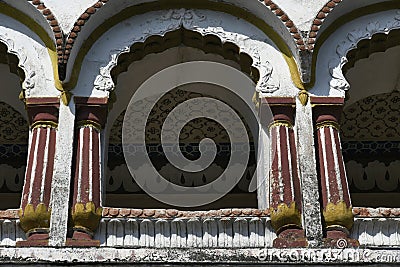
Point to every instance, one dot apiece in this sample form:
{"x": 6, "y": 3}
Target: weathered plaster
{"x": 67, "y": 13}
{"x": 302, "y": 12}
{"x": 62, "y": 175}
{"x": 33, "y": 57}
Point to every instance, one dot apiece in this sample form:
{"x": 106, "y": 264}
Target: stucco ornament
{"x": 338, "y": 81}
{"x": 194, "y": 20}
{"x": 30, "y": 75}
{"x": 103, "y": 81}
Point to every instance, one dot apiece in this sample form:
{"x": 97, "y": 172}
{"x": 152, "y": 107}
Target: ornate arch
{"x": 208, "y": 43}
{"x": 11, "y": 60}
{"x": 30, "y": 43}
{"x": 356, "y": 40}
{"x": 26, "y": 74}
{"x": 186, "y": 24}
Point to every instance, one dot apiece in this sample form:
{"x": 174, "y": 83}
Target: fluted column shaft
{"x": 336, "y": 202}
{"x": 86, "y": 194}
{"x": 285, "y": 191}
{"x": 35, "y": 210}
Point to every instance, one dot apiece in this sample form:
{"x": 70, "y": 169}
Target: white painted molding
{"x": 226, "y": 232}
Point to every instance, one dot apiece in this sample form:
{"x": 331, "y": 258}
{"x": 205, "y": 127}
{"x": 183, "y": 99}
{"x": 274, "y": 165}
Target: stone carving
{"x": 376, "y": 232}
{"x": 338, "y": 81}
{"x": 186, "y": 17}
{"x": 190, "y": 19}
{"x": 30, "y": 75}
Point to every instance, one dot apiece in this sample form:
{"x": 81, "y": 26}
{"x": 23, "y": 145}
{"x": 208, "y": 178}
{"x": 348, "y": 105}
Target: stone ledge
{"x": 205, "y": 256}
{"x": 109, "y": 212}
{"x": 172, "y": 213}
{"x": 9, "y": 214}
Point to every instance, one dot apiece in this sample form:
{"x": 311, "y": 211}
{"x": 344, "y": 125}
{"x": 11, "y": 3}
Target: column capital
{"x": 327, "y": 111}
{"x": 91, "y": 111}
{"x": 282, "y": 109}
{"x": 43, "y": 111}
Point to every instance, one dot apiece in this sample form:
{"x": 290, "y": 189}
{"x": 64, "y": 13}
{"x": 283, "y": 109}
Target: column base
{"x": 291, "y": 238}
{"x": 81, "y": 238}
{"x": 82, "y": 243}
{"x": 39, "y": 239}
{"x": 339, "y": 239}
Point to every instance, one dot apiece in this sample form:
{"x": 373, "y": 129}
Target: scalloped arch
{"x": 208, "y": 43}
{"x": 378, "y": 42}
{"x": 11, "y": 60}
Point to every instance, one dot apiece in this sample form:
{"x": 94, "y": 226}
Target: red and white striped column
{"x": 336, "y": 202}
{"x": 35, "y": 211}
{"x": 86, "y": 197}
{"x": 285, "y": 190}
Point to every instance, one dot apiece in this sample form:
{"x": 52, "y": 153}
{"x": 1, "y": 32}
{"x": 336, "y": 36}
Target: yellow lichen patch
{"x": 31, "y": 218}
{"x": 285, "y": 216}
{"x": 338, "y": 214}
{"x": 86, "y": 216}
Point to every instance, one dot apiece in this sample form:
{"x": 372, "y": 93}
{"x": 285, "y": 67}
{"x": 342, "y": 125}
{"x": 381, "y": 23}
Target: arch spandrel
{"x": 335, "y": 56}
{"x": 103, "y": 56}
{"x": 33, "y": 55}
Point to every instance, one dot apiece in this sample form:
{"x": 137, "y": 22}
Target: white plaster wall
{"x": 332, "y": 54}
{"x": 301, "y": 12}
{"x": 33, "y": 57}
{"x": 103, "y": 55}
{"x": 68, "y": 12}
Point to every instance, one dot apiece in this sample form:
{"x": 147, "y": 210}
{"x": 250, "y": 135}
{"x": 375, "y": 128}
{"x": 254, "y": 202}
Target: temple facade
{"x": 199, "y": 132}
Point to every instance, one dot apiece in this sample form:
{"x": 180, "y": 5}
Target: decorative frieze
{"x": 225, "y": 232}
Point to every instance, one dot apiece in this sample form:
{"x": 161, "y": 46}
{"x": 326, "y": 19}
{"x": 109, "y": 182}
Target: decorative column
{"x": 337, "y": 210}
{"x": 86, "y": 210}
{"x": 285, "y": 194}
{"x": 35, "y": 210}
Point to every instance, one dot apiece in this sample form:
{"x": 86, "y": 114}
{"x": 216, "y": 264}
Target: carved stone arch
{"x": 33, "y": 48}
{"x": 208, "y": 43}
{"x": 181, "y": 22}
{"x": 89, "y": 19}
{"x": 378, "y": 42}
{"x": 16, "y": 59}
{"x": 11, "y": 60}
{"x": 353, "y": 41}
